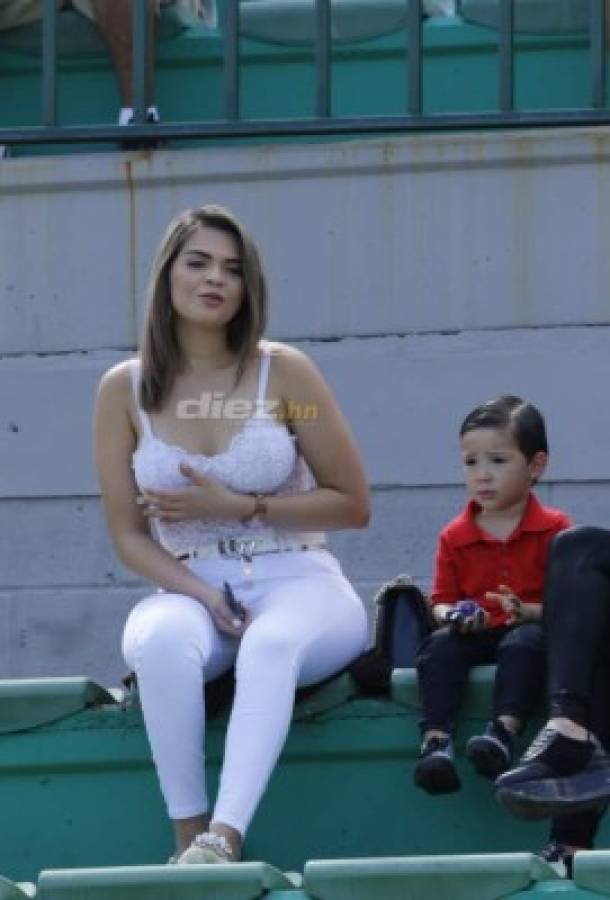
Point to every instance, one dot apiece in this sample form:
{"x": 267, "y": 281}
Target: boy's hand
{"x": 466, "y": 617}
{"x": 518, "y": 612}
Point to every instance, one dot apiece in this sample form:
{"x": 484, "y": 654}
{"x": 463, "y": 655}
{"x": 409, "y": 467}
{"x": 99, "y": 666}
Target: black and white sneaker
{"x": 435, "y": 772}
{"x": 556, "y": 775}
{"x": 126, "y": 119}
{"x": 126, "y": 116}
{"x": 492, "y": 752}
{"x": 558, "y": 858}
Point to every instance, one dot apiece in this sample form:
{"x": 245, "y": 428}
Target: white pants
{"x": 307, "y": 624}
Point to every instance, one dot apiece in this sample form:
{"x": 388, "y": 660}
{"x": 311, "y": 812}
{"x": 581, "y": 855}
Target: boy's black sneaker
{"x": 435, "y": 772}
{"x": 557, "y": 775}
{"x": 558, "y": 858}
{"x": 492, "y": 752}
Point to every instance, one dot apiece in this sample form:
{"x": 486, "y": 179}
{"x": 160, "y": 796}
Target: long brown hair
{"x": 160, "y": 351}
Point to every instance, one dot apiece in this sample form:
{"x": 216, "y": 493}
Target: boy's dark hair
{"x": 522, "y": 419}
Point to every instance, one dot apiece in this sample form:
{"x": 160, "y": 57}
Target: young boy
{"x": 494, "y": 556}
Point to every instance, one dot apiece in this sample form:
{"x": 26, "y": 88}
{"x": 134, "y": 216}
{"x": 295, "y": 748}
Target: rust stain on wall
{"x": 131, "y": 230}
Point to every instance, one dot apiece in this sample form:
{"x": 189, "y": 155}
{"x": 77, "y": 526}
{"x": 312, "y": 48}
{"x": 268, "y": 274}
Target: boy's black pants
{"x": 445, "y": 659}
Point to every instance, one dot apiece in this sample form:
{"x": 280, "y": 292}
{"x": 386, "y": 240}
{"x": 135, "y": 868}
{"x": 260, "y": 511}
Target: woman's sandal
{"x": 205, "y": 848}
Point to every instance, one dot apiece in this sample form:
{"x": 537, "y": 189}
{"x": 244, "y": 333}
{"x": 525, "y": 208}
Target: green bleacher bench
{"x": 275, "y": 21}
{"x": 531, "y": 16}
{"x": 294, "y": 21}
{"x": 473, "y": 877}
{"x": 508, "y": 876}
{"x": 11, "y": 891}
{"x": 477, "y": 702}
{"x": 329, "y": 695}
{"x": 29, "y": 702}
{"x": 343, "y": 789}
{"x": 243, "y": 881}
{"x": 592, "y": 872}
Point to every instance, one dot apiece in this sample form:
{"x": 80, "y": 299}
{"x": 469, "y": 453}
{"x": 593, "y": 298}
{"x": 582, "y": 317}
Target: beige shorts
{"x": 22, "y": 12}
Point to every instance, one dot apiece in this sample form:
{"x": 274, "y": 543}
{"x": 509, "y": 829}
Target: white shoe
{"x": 126, "y": 116}
{"x": 207, "y": 847}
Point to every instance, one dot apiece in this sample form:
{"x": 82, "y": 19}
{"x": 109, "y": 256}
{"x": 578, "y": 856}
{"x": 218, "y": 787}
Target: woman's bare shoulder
{"x": 115, "y": 406}
{"x": 117, "y": 380}
{"x": 287, "y": 359}
{"x": 115, "y": 395}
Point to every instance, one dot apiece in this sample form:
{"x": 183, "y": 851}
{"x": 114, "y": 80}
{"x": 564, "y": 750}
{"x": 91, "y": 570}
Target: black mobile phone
{"x": 238, "y": 609}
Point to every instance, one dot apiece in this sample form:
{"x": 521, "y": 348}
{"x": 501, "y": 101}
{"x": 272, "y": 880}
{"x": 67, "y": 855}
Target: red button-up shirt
{"x": 470, "y": 562}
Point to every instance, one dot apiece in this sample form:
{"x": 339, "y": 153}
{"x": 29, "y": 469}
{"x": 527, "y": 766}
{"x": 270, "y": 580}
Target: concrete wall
{"x": 423, "y": 274}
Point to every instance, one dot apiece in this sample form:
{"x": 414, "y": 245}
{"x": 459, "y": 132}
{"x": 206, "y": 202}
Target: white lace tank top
{"x": 261, "y": 458}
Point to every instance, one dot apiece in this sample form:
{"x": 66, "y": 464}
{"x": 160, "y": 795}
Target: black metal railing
{"x": 323, "y": 123}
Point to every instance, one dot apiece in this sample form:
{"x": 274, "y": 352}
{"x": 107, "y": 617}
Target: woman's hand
{"x": 225, "y": 619}
{"x": 204, "y": 498}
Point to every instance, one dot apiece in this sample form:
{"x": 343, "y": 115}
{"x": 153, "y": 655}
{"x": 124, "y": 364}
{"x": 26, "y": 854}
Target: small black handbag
{"x": 403, "y": 618}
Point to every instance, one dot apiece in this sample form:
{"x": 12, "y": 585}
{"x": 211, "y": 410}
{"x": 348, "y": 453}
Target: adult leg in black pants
{"x": 576, "y": 831}
{"x": 565, "y": 769}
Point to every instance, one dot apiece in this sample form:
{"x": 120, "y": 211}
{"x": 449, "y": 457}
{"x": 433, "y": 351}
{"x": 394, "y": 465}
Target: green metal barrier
{"x": 278, "y": 83}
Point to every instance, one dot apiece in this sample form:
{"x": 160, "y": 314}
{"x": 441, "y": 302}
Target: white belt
{"x": 246, "y": 548}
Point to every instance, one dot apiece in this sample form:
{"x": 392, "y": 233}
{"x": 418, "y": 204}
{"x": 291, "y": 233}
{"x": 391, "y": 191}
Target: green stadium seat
{"x": 478, "y": 699}
{"x": 27, "y": 703}
{"x": 592, "y": 871}
{"x": 11, "y": 891}
{"x": 477, "y": 877}
{"x": 324, "y": 697}
{"x": 273, "y": 21}
{"x": 243, "y": 881}
{"x": 293, "y": 21}
{"x": 531, "y": 16}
